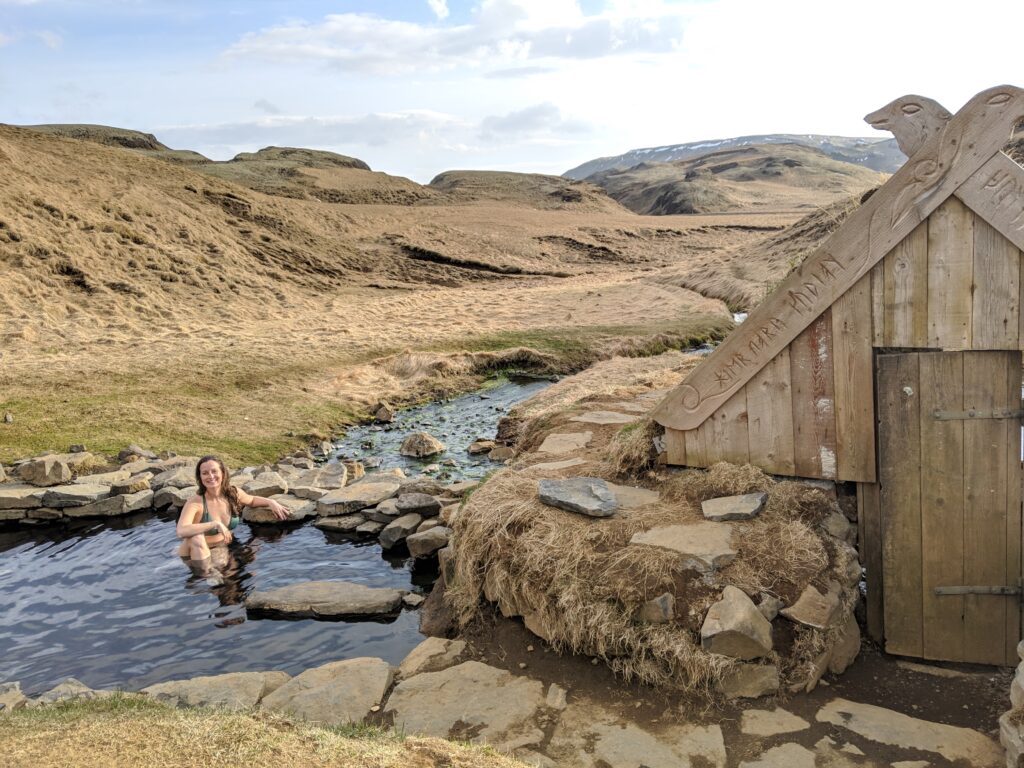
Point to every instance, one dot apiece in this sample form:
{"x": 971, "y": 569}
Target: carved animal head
{"x": 912, "y": 119}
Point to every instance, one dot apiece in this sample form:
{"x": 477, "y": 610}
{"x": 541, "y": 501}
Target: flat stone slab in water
{"x": 604, "y": 417}
{"x": 704, "y": 546}
{"x": 585, "y": 495}
{"x": 327, "y": 600}
{"x": 21, "y": 496}
{"x": 353, "y": 498}
{"x": 298, "y": 509}
{"x": 74, "y": 495}
{"x": 744, "y": 507}
{"x": 344, "y": 524}
{"x": 565, "y": 442}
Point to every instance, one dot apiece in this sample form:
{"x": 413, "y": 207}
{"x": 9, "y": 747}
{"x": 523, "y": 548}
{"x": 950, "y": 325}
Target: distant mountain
{"x": 875, "y": 153}
{"x": 749, "y": 178}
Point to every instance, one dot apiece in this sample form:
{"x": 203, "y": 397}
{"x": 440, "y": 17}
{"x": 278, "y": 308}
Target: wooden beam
{"x": 950, "y": 275}
{"x": 945, "y": 162}
{"x": 770, "y": 417}
{"x": 854, "y": 383}
{"x": 869, "y": 523}
{"x": 996, "y": 193}
{"x": 814, "y": 399}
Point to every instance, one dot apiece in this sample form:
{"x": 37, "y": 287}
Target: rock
{"x": 169, "y": 496}
{"x": 448, "y": 513}
{"x": 298, "y": 509}
{"x": 412, "y": 600}
{"x": 46, "y": 471}
{"x": 104, "y": 478}
{"x": 233, "y": 691}
{"x": 1011, "y": 737}
{"x": 326, "y": 600}
{"x": 587, "y": 735}
{"x": 770, "y": 606}
{"x": 21, "y": 496}
{"x": 356, "y": 497}
{"x": 3, "y": 475}
{"x": 546, "y": 466}
{"x": 11, "y": 697}
{"x": 783, "y": 756}
{"x": 501, "y": 453}
{"x": 584, "y": 495}
{"x": 384, "y": 413}
{"x": 15, "y": 514}
{"x": 734, "y": 627}
{"x": 480, "y": 446}
{"x": 418, "y": 503}
{"x": 266, "y": 484}
{"x": 566, "y": 442}
{"x": 744, "y": 507}
{"x": 43, "y": 513}
{"x": 426, "y": 543}
{"x": 660, "y": 610}
{"x": 68, "y": 690}
{"x": 308, "y": 492}
{"x": 330, "y": 477}
{"x": 357, "y": 469}
{"x": 393, "y": 475}
{"x": 604, "y": 417}
{"x": 8, "y": 417}
{"x": 134, "y": 450}
{"x": 76, "y": 448}
{"x": 74, "y": 495}
{"x": 814, "y": 609}
{"x": 557, "y": 697}
{"x": 749, "y": 681}
{"x": 371, "y": 527}
{"x": 422, "y": 485}
{"x": 420, "y": 444}
{"x": 398, "y": 529}
{"x": 470, "y": 701}
{"x": 629, "y": 497}
{"x": 432, "y": 655}
{"x": 838, "y": 527}
{"x": 323, "y": 448}
{"x": 847, "y": 646}
{"x": 384, "y": 512}
{"x": 113, "y": 506}
{"x": 176, "y": 477}
{"x": 133, "y": 484}
{"x": 885, "y": 726}
{"x": 704, "y": 546}
{"x": 338, "y": 693}
{"x": 763, "y": 722}
{"x": 344, "y": 524}
{"x": 426, "y": 525}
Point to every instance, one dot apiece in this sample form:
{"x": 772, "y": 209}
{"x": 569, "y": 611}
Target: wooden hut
{"x": 891, "y": 358}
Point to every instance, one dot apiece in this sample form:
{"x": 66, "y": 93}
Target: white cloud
{"x": 439, "y": 7}
{"x": 267, "y": 107}
{"x": 535, "y": 121}
{"x": 50, "y": 39}
{"x": 5, "y": 39}
{"x": 502, "y": 33}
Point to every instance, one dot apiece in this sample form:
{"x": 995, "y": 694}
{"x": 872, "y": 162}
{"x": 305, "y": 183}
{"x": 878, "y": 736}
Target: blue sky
{"x": 418, "y": 87}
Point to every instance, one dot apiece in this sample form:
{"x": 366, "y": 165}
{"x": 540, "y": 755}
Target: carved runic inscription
{"x": 1007, "y": 191}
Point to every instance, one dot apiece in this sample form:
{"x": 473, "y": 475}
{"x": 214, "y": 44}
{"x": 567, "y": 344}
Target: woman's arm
{"x": 280, "y": 511}
{"x": 187, "y": 525}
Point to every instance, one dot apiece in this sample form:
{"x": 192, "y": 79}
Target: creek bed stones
{"x": 356, "y": 497}
{"x": 585, "y": 495}
{"x": 326, "y": 600}
{"x": 234, "y": 690}
{"x": 338, "y": 693}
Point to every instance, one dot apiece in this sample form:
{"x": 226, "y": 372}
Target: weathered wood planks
{"x": 950, "y": 276}
{"x": 814, "y": 416}
{"x": 854, "y": 383}
{"x": 770, "y": 417}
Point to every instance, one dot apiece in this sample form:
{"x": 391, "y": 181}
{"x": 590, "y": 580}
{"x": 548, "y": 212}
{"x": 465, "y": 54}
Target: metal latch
{"x": 998, "y": 413}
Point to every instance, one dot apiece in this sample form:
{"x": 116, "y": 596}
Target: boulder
{"x": 356, "y": 497}
{"x": 398, "y": 529}
{"x": 660, "y": 610}
{"x": 15, "y": 514}
{"x": 371, "y": 527}
{"x": 585, "y": 495}
{"x": 298, "y": 509}
{"x": 330, "y": 477}
{"x": 749, "y": 681}
{"x": 266, "y": 484}
{"x": 726, "y": 508}
{"x": 384, "y": 512}
{"x": 734, "y": 627}
{"x": 384, "y": 413}
{"x": 357, "y": 469}
{"x": 430, "y": 522}
{"x": 470, "y": 701}
{"x": 426, "y": 543}
{"x": 704, "y": 546}
{"x": 133, "y": 484}
{"x": 837, "y": 526}
{"x": 432, "y": 655}
{"x": 68, "y": 690}
{"x": 458, "y": 490}
{"x": 169, "y": 496}
{"x": 74, "y": 495}
{"x": 11, "y": 697}
{"x": 112, "y": 506}
{"x": 104, "y": 478}
{"x": 847, "y": 646}
{"x": 420, "y": 444}
{"x": 343, "y": 524}
{"x": 501, "y": 453}
{"x": 338, "y": 693}
{"x": 770, "y": 606}
{"x": 134, "y": 450}
{"x": 308, "y": 492}
{"x": 326, "y": 600}
{"x": 412, "y": 600}
{"x": 417, "y": 503}
{"x": 422, "y": 485}
{"x": 21, "y": 496}
{"x": 45, "y": 471}
{"x": 480, "y": 446}
{"x": 814, "y": 609}
{"x": 566, "y": 442}
{"x": 233, "y": 691}
{"x": 175, "y": 477}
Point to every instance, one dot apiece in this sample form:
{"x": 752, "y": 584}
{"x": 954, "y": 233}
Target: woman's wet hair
{"x": 226, "y": 488}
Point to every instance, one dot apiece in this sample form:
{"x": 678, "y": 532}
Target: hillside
{"x": 877, "y": 154}
{"x": 531, "y": 189}
{"x": 776, "y": 177}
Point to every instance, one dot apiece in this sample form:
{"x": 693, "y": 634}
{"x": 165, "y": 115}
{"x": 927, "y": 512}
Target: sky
{"x": 418, "y": 87}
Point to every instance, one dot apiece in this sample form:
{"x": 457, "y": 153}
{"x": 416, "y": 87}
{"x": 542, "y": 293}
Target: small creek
{"x": 108, "y": 603}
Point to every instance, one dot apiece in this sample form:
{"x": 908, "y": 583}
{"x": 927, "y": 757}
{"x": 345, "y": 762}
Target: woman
{"x": 207, "y": 519}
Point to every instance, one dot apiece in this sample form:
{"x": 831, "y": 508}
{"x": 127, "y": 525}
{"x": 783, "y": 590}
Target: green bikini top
{"x": 232, "y": 521}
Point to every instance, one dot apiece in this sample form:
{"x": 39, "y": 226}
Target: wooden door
{"x": 949, "y": 442}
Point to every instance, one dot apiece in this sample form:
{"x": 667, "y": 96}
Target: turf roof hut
{"x": 892, "y": 358}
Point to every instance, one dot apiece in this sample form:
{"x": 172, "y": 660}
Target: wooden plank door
{"x": 949, "y": 441}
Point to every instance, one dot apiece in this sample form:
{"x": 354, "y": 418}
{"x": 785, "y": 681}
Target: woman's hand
{"x": 280, "y": 511}
{"x": 223, "y": 529}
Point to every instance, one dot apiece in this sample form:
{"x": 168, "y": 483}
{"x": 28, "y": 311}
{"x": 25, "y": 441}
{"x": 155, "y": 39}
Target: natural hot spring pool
{"x": 107, "y": 602}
